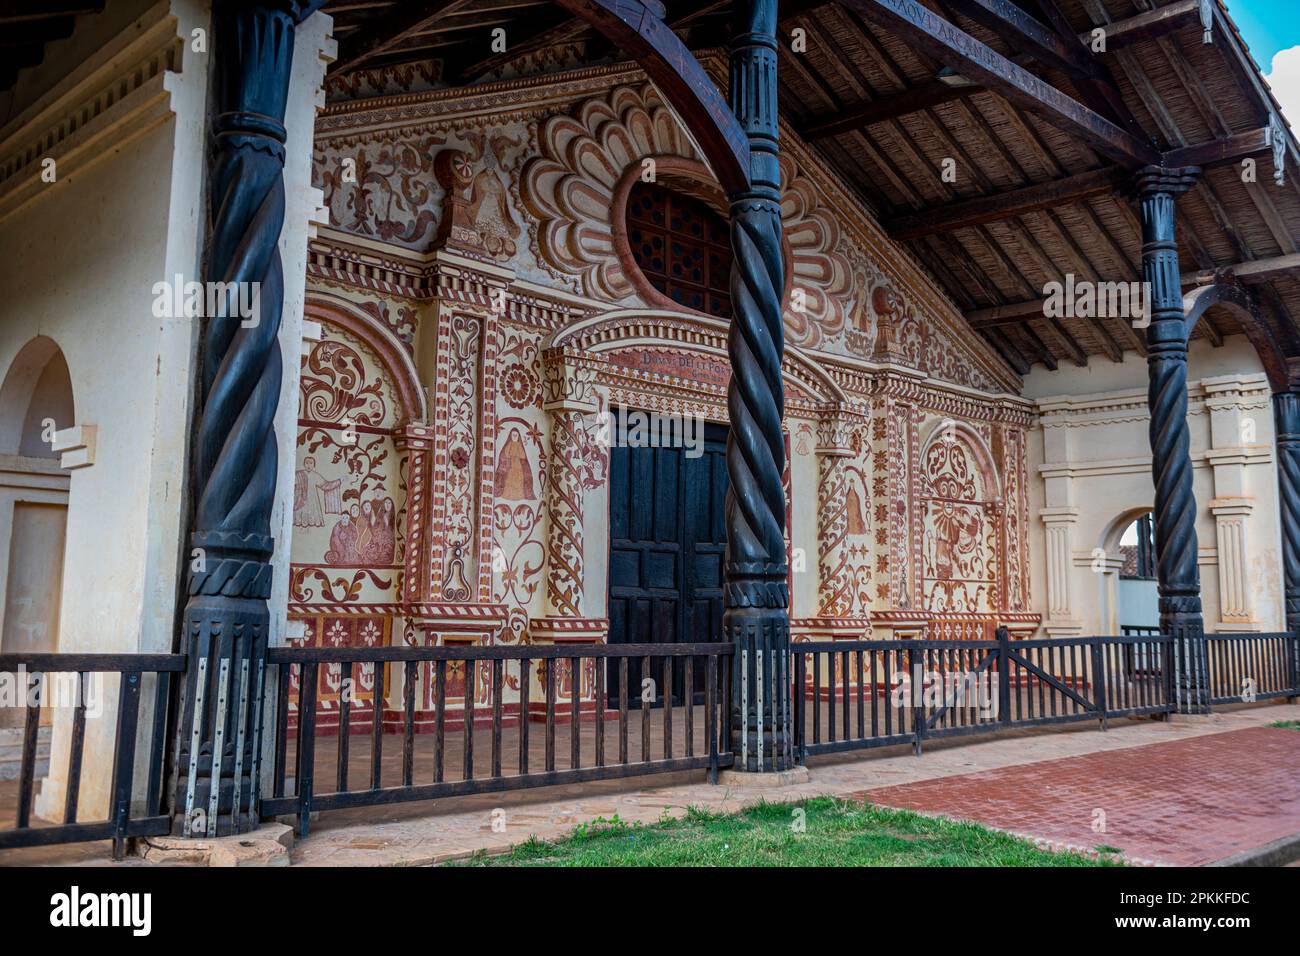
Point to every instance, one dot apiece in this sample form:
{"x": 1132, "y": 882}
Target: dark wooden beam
{"x": 19, "y": 11}
{"x": 1219, "y": 151}
{"x": 385, "y": 32}
{"x": 1256, "y": 270}
{"x": 1008, "y": 350}
{"x": 1029, "y": 34}
{"x": 938, "y": 38}
{"x": 1006, "y": 205}
{"x": 638, "y": 31}
{"x": 549, "y": 27}
{"x": 1147, "y": 26}
{"x": 36, "y": 31}
{"x": 909, "y": 101}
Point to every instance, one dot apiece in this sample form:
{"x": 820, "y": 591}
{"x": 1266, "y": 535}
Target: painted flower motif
{"x": 336, "y": 634}
{"x": 459, "y": 457}
{"x": 370, "y": 633}
{"x": 520, "y": 386}
{"x": 570, "y": 188}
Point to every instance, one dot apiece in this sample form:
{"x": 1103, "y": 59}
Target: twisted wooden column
{"x": 757, "y": 597}
{"x": 234, "y": 458}
{"x": 1286, "y": 422}
{"x": 1171, "y": 463}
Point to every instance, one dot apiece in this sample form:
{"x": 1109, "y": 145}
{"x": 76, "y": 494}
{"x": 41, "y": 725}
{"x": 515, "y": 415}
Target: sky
{"x": 1272, "y": 31}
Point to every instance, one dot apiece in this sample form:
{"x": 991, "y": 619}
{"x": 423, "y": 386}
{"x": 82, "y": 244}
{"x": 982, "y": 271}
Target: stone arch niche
{"x": 360, "y": 465}
{"x": 961, "y": 515}
{"x": 36, "y": 400}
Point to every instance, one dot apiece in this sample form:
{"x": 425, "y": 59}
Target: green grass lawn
{"x": 825, "y": 831}
{"x": 1286, "y": 724}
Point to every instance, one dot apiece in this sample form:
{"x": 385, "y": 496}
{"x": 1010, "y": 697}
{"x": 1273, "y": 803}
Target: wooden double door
{"x": 667, "y": 541}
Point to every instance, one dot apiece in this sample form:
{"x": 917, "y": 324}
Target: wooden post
{"x": 1156, "y": 189}
{"x": 756, "y": 617}
{"x": 1286, "y": 424}
{"x": 234, "y": 458}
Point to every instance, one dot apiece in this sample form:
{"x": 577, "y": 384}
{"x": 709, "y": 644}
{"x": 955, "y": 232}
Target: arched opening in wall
{"x": 35, "y": 400}
{"x": 682, "y": 246}
{"x": 1136, "y": 598}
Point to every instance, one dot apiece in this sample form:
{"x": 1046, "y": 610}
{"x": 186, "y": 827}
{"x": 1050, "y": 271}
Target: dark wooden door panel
{"x": 667, "y": 544}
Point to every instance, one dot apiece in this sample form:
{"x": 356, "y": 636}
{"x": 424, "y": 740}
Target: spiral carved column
{"x": 756, "y": 618}
{"x": 1286, "y": 422}
{"x": 1171, "y": 463}
{"x": 234, "y": 457}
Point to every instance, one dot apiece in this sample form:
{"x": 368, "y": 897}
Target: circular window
{"x": 682, "y": 246}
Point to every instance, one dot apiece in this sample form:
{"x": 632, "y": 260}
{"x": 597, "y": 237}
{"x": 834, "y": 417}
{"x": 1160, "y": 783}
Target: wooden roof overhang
{"x": 1041, "y": 131}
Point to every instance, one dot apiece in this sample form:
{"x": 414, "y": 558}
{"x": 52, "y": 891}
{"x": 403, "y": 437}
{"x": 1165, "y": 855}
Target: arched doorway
{"x": 1137, "y": 605}
{"x": 35, "y": 401}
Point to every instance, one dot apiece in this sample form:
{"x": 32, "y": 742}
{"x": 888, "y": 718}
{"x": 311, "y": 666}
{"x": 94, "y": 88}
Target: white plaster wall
{"x": 803, "y": 504}
{"x": 79, "y": 265}
{"x": 1090, "y": 470}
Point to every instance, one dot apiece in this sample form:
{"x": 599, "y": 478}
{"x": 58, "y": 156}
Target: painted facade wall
{"x": 478, "y": 256}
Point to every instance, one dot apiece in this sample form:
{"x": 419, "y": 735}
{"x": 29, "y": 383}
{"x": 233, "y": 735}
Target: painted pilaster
{"x": 833, "y": 584}
{"x": 757, "y": 593}
{"x": 235, "y": 455}
{"x": 570, "y": 393}
{"x": 1171, "y": 464}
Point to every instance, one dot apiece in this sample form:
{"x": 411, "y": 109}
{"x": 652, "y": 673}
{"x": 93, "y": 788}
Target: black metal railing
{"x": 884, "y": 693}
{"x": 1252, "y": 667}
{"x": 594, "y": 691}
{"x": 36, "y": 674}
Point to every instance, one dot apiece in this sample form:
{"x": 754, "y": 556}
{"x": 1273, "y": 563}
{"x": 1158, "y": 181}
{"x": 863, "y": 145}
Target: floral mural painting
{"x": 348, "y": 495}
{"x": 961, "y": 529}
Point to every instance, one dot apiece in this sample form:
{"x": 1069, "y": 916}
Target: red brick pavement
{"x": 1186, "y": 802}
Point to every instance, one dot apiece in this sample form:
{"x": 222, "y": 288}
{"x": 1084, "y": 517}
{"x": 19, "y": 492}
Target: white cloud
{"x": 1285, "y": 81}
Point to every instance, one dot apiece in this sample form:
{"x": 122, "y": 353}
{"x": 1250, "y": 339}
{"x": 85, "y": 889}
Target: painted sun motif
{"x": 577, "y": 187}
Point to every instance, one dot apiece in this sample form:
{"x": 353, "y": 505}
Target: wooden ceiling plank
{"x": 1007, "y": 204}
{"x": 911, "y": 100}
{"x": 384, "y": 32}
{"x": 1148, "y": 25}
{"x": 947, "y": 43}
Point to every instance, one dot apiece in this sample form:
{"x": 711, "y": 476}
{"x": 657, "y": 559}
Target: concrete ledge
{"x": 268, "y": 845}
{"x": 1278, "y": 853}
{"x": 740, "y": 780}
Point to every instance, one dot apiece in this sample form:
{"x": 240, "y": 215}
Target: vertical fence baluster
{"x": 306, "y": 744}
{"x": 688, "y": 698}
{"x": 602, "y": 664}
{"x": 525, "y": 692}
{"x": 283, "y": 673}
{"x": 575, "y": 728}
{"x": 408, "y": 723}
{"x": 550, "y": 715}
{"x": 377, "y": 725}
{"x": 668, "y": 707}
{"x": 75, "y": 749}
{"x": 817, "y": 698}
{"x": 645, "y": 713}
{"x": 345, "y": 725}
{"x": 31, "y": 730}
{"x": 439, "y": 719}
{"x": 622, "y": 710}
{"x": 710, "y": 713}
{"x": 467, "y": 710}
{"x": 128, "y": 714}
{"x": 498, "y": 680}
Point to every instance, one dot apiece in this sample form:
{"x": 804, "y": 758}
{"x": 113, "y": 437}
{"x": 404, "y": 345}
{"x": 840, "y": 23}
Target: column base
{"x": 768, "y": 779}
